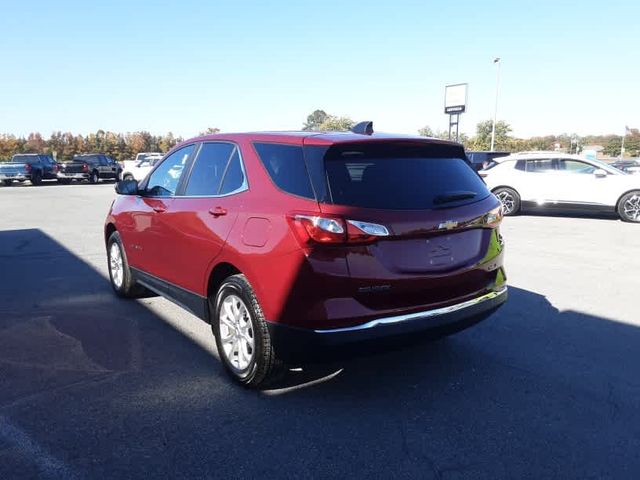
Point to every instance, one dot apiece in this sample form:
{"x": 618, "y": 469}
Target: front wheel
{"x": 241, "y": 334}
{"x": 7, "y": 183}
{"x": 122, "y": 281}
{"x": 629, "y": 207}
{"x": 510, "y": 200}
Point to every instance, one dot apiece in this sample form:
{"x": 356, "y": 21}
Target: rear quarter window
{"x": 286, "y": 167}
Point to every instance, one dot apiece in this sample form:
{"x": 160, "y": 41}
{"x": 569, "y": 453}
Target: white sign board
{"x": 455, "y": 98}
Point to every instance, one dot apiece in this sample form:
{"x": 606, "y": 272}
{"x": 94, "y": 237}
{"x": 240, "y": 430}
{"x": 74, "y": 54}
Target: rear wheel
{"x": 629, "y": 207}
{"x": 122, "y": 281}
{"x": 241, "y": 334}
{"x": 36, "y": 178}
{"x": 94, "y": 177}
{"x": 64, "y": 181}
{"x": 7, "y": 183}
{"x": 510, "y": 200}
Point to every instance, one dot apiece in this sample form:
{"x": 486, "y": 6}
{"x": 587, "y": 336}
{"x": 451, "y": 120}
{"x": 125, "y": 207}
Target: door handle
{"x": 217, "y": 211}
{"x": 159, "y": 208}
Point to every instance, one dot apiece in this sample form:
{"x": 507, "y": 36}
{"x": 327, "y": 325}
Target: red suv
{"x": 288, "y": 241}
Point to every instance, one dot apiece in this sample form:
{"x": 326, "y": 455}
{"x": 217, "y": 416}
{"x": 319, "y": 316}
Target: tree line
{"x": 321, "y": 121}
{"x": 63, "y": 146}
{"x": 123, "y": 146}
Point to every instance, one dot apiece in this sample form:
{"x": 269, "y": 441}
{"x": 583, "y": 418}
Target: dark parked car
{"x": 28, "y": 166}
{"x": 92, "y": 167}
{"x": 293, "y": 242}
{"x": 481, "y": 160}
{"x": 629, "y": 166}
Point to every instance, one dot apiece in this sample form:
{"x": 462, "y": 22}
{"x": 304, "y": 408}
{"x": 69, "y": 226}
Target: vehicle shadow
{"x": 92, "y": 386}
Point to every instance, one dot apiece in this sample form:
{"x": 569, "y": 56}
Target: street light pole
{"x": 622, "y": 147}
{"x": 495, "y": 109}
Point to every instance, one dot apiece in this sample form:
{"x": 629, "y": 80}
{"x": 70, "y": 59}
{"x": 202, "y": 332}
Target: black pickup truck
{"x": 28, "y": 166}
{"x": 92, "y": 167}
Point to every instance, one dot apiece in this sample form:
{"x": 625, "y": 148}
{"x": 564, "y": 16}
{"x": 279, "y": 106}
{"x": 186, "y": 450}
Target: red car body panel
{"x": 180, "y": 241}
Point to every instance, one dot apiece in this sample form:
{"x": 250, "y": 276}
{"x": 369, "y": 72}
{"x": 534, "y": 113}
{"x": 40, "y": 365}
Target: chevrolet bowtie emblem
{"x": 448, "y": 225}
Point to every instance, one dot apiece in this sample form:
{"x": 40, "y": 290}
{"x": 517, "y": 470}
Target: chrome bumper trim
{"x": 418, "y": 315}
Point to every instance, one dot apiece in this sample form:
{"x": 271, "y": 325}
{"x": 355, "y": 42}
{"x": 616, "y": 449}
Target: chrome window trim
{"x": 419, "y": 315}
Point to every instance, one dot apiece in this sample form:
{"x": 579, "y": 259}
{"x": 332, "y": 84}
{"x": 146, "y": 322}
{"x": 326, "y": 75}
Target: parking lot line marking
{"x": 49, "y": 466}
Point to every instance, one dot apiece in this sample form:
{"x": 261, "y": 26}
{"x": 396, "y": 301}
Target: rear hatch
{"x": 432, "y": 207}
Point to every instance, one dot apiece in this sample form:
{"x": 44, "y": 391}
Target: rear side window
{"x": 540, "y": 166}
{"x": 216, "y": 171}
{"x": 286, "y": 167}
{"x": 209, "y": 169}
{"x": 398, "y": 178}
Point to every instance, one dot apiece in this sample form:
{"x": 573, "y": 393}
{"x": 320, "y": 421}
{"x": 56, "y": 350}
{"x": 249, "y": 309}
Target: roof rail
{"x": 363, "y": 128}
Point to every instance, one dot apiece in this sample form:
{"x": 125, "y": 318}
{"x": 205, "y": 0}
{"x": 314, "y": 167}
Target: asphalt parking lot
{"x": 92, "y": 386}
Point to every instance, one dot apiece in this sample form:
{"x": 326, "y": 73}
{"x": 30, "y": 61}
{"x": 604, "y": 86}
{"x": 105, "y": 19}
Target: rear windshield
{"x": 383, "y": 176}
{"x": 400, "y": 178}
{"x": 24, "y": 158}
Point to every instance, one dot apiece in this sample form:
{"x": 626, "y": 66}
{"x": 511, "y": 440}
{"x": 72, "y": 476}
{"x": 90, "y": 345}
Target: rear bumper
{"x": 14, "y": 176}
{"x": 297, "y": 343}
{"x": 65, "y": 175}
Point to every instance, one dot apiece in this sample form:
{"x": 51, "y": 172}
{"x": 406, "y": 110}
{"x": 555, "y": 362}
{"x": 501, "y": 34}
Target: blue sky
{"x": 258, "y": 65}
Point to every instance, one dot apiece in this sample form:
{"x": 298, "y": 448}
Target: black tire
{"x": 128, "y": 176}
{"x": 127, "y": 288}
{"x": 629, "y": 207}
{"x": 94, "y": 177}
{"x": 36, "y": 178}
{"x": 264, "y": 367}
{"x": 7, "y": 183}
{"x": 510, "y": 200}
{"x": 64, "y": 181}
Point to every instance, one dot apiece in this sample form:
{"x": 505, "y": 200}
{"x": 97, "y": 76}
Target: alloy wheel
{"x": 116, "y": 265}
{"x": 236, "y": 333}
{"x": 508, "y": 202}
{"x": 632, "y": 208}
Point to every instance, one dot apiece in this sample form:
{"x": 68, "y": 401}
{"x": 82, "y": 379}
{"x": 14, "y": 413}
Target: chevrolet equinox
{"x": 288, "y": 242}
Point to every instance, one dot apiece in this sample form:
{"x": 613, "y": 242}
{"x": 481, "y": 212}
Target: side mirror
{"x": 127, "y": 187}
{"x": 600, "y": 173}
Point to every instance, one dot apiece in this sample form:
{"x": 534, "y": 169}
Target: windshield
{"x": 607, "y": 166}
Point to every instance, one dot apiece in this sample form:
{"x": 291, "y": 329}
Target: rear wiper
{"x": 453, "y": 197}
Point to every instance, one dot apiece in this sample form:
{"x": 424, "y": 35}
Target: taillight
{"x": 27, "y": 167}
{"x": 85, "y": 167}
{"x": 334, "y": 230}
{"x": 493, "y": 218}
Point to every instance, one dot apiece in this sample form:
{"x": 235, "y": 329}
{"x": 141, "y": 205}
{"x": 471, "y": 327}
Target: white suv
{"x": 551, "y": 179}
{"x": 138, "y": 169}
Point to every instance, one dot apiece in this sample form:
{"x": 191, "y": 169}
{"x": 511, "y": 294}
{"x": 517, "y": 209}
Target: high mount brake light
{"x": 334, "y": 230}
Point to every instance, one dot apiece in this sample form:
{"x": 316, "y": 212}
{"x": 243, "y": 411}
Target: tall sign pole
{"x": 495, "y": 108}
{"x": 455, "y": 103}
